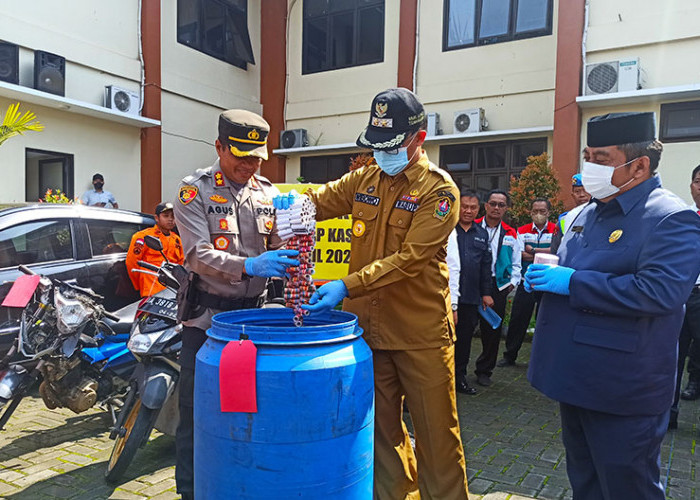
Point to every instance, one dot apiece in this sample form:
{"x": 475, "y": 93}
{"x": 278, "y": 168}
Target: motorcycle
{"x": 156, "y": 342}
{"x": 73, "y": 345}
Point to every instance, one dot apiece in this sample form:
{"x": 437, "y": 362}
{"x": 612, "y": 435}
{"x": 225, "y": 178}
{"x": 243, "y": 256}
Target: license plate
{"x": 160, "y": 307}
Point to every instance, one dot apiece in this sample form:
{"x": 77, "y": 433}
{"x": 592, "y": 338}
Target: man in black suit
{"x": 474, "y": 283}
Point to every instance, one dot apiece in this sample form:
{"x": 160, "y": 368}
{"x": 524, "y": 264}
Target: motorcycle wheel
{"x": 136, "y": 428}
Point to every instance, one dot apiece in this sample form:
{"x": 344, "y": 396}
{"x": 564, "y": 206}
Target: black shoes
{"x": 484, "y": 380}
{"x": 463, "y": 387}
{"x": 505, "y": 362}
{"x": 692, "y": 390}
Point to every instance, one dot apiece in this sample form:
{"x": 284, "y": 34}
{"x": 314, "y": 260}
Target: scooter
{"x": 156, "y": 342}
{"x": 69, "y": 341}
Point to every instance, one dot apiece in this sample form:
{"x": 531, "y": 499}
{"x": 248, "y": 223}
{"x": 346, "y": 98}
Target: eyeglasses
{"x": 496, "y": 204}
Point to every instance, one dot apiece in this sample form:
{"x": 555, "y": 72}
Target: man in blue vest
{"x": 609, "y": 320}
{"x": 505, "y": 276}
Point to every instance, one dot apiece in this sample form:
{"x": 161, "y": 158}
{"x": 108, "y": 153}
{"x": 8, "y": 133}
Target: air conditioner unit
{"x": 612, "y": 76}
{"x": 122, "y": 100}
{"x": 293, "y": 138}
{"x": 434, "y": 124}
{"x": 469, "y": 121}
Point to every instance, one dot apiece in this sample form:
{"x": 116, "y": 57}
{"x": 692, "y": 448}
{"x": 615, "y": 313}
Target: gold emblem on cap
{"x": 615, "y": 235}
{"x": 380, "y": 109}
{"x": 253, "y": 135}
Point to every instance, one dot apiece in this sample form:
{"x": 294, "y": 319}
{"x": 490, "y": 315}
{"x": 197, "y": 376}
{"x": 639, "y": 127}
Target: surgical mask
{"x": 539, "y": 219}
{"x": 597, "y": 179}
{"x": 394, "y": 161}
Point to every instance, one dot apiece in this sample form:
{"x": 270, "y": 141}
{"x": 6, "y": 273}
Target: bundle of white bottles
{"x": 297, "y": 224}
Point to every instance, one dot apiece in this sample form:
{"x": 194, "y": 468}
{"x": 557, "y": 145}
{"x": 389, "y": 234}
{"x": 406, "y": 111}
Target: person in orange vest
{"x": 147, "y": 284}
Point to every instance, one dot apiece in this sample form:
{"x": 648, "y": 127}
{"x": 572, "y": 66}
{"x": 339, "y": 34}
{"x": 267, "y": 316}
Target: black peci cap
{"x": 395, "y": 114}
{"x": 97, "y": 176}
{"x": 163, "y": 206}
{"x": 244, "y": 132}
{"x": 614, "y": 129}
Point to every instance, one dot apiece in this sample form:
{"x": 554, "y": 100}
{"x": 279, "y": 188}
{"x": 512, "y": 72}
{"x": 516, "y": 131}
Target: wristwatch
{"x": 454, "y": 307}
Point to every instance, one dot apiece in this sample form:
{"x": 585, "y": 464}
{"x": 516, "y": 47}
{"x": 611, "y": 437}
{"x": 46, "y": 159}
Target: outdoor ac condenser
{"x": 612, "y": 76}
{"x": 122, "y": 100}
{"x": 293, "y": 138}
{"x": 469, "y": 121}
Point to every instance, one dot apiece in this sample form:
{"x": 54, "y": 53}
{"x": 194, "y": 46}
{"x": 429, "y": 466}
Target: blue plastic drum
{"x": 313, "y": 433}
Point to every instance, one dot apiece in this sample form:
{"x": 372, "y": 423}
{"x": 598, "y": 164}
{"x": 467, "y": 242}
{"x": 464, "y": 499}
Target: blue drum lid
{"x": 275, "y": 326}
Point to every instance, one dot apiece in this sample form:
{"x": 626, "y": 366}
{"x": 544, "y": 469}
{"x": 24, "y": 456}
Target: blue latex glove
{"x": 284, "y": 201}
{"x": 547, "y": 278}
{"x": 327, "y": 297}
{"x": 271, "y": 264}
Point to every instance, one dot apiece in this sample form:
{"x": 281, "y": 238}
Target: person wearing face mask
{"x": 98, "y": 197}
{"x": 580, "y": 197}
{"x": 605, "y": 344}
{"x": 403, "y": 211}
{"x": 534, "y": 238}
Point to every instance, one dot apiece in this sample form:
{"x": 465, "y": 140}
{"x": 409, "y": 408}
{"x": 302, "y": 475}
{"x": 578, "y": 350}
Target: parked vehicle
{"x": 156, "y": 342}
{"x": 77, "y": 244}
{"x": 72, "y": 345}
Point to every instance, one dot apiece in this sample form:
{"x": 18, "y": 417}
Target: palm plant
{"x": 16, "y": 124}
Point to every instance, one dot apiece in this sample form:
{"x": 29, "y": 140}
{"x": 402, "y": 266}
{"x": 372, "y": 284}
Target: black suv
{"x": 75, "y": 243}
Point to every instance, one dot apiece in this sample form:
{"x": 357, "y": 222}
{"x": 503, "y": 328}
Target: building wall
{"x": 513, "y": 81}
{"x": 97, "y": 146}
{"x": 100, "y": 43}
{"x": 666, "y": 38}
{"x": 332, "y": 105}
{"x": 195, "y": 89}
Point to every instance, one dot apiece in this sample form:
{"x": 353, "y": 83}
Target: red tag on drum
{"x": 237, "y": 377}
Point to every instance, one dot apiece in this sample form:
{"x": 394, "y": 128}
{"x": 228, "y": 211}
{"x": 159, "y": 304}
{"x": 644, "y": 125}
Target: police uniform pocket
{"x": 265, "y": 225}
{"x": 607, "y": 338}
{"x": 222, "y": 224}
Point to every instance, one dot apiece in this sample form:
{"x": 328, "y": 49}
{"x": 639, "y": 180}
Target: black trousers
{"x": 490, "y": 338}
{"x": 192, "y": 340}
{"x": 688, "y": 345}
{"x": 613, "y": 457}
{"x": 467, "y": 319}
{"x": 523, "y": 305}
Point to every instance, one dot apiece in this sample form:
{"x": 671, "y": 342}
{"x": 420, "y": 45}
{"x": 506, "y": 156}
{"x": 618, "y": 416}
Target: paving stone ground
{"x": 511, "y": 435}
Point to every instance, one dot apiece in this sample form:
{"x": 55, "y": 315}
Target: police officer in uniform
{"x": 403, "y": 211}
{"x": 609, "y": 320}
{"x": 226, "y": 222}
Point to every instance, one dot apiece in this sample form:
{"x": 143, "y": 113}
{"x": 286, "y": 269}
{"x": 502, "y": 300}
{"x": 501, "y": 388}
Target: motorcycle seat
{"x": 126, "y": 317}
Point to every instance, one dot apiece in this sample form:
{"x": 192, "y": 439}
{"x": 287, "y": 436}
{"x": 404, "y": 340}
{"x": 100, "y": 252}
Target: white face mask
{"x": 597, "y": 179}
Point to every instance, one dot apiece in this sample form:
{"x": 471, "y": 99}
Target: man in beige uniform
{"x": 403, "y": 210}
{"x": 226, "y": 222}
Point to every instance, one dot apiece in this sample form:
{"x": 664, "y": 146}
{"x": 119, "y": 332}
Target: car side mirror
{"x": 153, "y": 243}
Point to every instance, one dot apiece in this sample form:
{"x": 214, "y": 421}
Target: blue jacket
{"x": 610, "y": 345}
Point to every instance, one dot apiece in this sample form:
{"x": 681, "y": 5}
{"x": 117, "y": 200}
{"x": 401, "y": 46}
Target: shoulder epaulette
{"x": 198, "y": 174}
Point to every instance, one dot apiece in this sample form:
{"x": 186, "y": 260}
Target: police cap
{"x": 395, "y": 114}
{"x": 621, "y": 128}
{"x": 576, "y": 180}
{"x": 244, "y": 132}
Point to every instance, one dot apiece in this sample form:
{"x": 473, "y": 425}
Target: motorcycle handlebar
{"x": 111, "y": 316}
{"x": 25, "y": 269}
{"x": 148, "y": 266}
